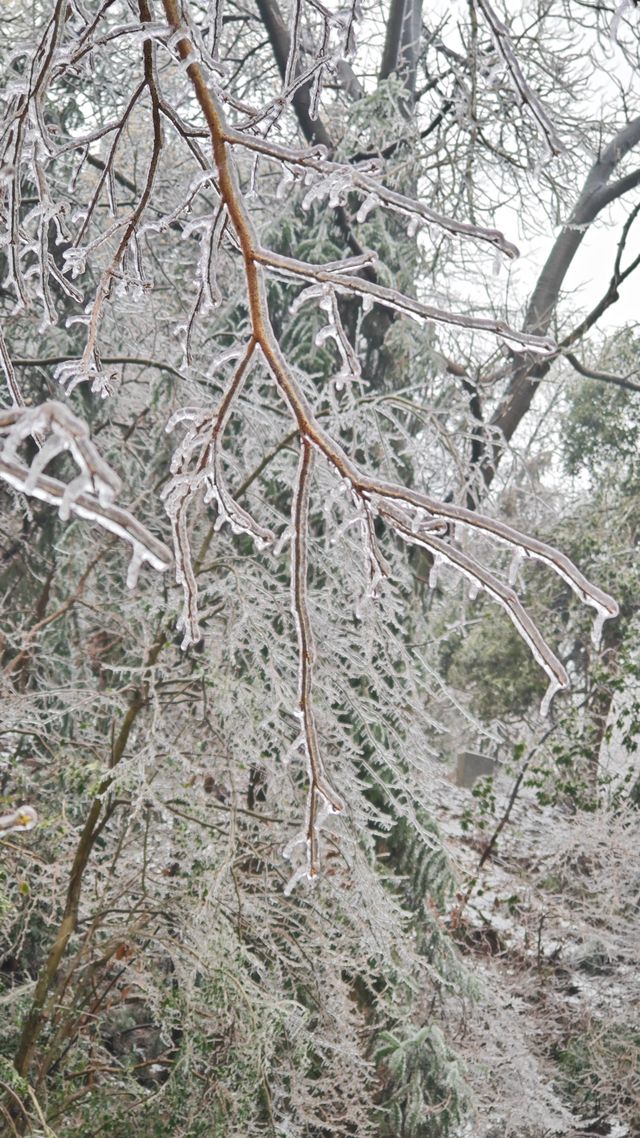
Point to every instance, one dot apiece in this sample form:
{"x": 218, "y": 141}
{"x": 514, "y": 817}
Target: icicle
{"x": 329, "y": 332}
{"x": 311, "y": 195}
{"x": 434, "y": 573}
{"x": 135, "y": 565}
{"x": 294, "y": 879}
{"x": 283, "y": 539}
{"x": 285, "y": 184}
{"x": 598, "y": 625}
{"x": 332, "y": 802}
{"x": 552, "y": 690}
{"x": 81, "y": 484}
{"x": 298, "y": 840}
{"x": 251, "y": 193}
{"x": 370, "y": 203}
{"x": 293, "y": 752}
{"x": 474, "y": 589}
{"x": 309, "y": 293}
{"x": 514, "y": 568}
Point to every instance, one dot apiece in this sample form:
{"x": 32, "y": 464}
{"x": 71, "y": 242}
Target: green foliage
{"x": 601, "y": 431}
{"x": 481, "y": 814}
{"x": 492, "y": 665}
{"x": 600, "y": 1072}
{"x": 424, "y": 1094}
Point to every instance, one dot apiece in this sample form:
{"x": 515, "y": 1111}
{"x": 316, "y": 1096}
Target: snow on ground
{"x": 551, "y": 929}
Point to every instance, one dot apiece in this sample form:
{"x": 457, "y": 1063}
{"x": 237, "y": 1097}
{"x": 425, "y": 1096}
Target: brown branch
{"x": 97, "y": 817}
{"x": 612, "y": 294}
{"x": 418, "y": 516}
{"x": 319, "y": 788}
{"x": 597, "y": 192}
{"x": 604, "y": 376}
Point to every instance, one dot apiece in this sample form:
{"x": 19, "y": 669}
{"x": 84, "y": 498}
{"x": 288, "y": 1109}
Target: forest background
{"x": 320, "y": 507}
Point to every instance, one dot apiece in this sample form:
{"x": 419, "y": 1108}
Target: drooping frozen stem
{"x": 415, "y": 517}
{"x": 319, "y": 787}
{"x": 197, "y": 468}
{"x": 522, "y": 89}
{"x": 90, "y": 495}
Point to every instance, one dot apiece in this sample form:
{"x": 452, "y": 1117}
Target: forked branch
{"x": 415, "y": 517}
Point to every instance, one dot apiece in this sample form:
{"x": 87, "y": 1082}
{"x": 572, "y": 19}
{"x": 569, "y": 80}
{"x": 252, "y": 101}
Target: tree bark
{"x": 598, "y": 191}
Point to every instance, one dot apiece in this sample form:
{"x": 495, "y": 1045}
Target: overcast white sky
{"x": 592, "y": 267}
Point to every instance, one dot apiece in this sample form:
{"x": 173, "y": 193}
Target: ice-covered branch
{"x": 90, "y": 495}
{"x": 504, "y": 48}
{"x": 65, "y": 432}
{"x": 414, "y": 516}
{"x": 320, "y": 789}
{"x": 371, "y": 293}
{"x": 336, "y": 180}
{"x": 197, "y": 466}
{"x": 482, "y": 578}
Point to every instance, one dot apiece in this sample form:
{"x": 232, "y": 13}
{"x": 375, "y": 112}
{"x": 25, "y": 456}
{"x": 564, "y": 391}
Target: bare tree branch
{"x": 504, "y": 48}
{"x": 387, "y": 500}
{"x": 604, "y": 376}
{"x": 596, "y": 194}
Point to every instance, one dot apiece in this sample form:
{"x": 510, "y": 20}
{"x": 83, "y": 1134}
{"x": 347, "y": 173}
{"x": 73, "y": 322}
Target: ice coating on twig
{"x": 196, "y": 467}
{"x": 90, "y": 495}
{"x": 552, "y": 690}
{"x": 502, "y": 533}
{"x": 65, "y": 432}
{"x": 597, "y": 627}
{"x": 291, "y": 268}
{"x": 523, "y": 91}
{"x": 481, "y": 578}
